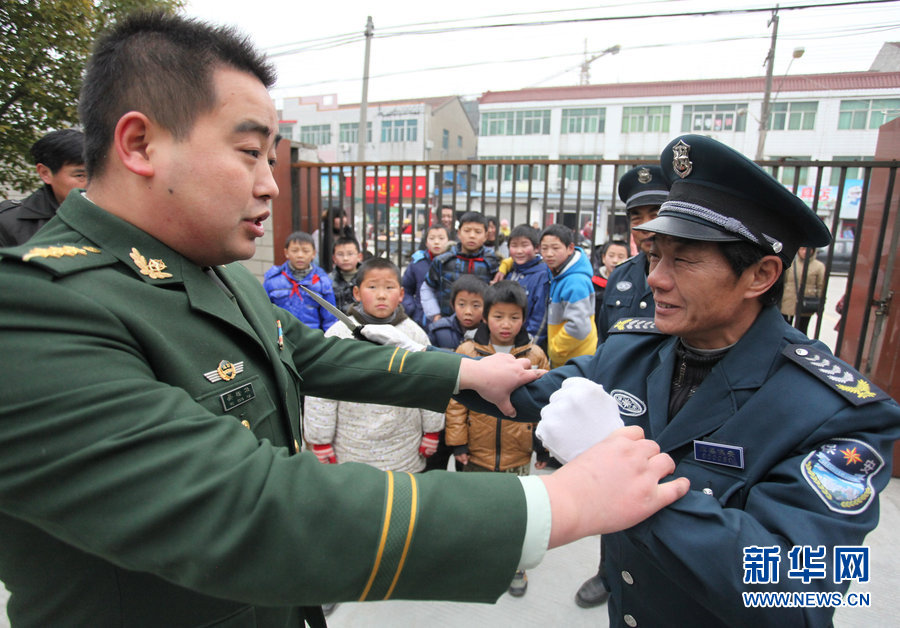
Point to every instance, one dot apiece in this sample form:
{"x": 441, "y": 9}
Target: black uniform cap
{"x": 716, "y": 194}
{"x": 644, "y": 185}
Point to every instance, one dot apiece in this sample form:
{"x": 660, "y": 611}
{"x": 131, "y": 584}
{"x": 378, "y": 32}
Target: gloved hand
{"x": 391, "y": 336}
{"x": 429, "y": 444}
{"x": 579, "y": 415}
{"x": 325, "y": 454}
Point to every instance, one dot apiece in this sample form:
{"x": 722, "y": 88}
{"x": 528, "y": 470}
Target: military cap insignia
{"x": 840, "y": 377}
{"x": 153, "y": 268}
{"x": 681, "y": 162}
{"x": 840, "y": 472}
{"x": 226, "y": 371}
{"x": 631, "y": 325}
{"x": 644, "y": 175}
{"x": 66, "y": 250}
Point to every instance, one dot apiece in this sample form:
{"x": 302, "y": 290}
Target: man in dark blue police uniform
{"x": 787, "y": 447}
{"x": 643, "y": 190}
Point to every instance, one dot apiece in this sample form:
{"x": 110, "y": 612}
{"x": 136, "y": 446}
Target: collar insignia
{"x": 840, "y": 377}
{"x": 226, "y": 371}
{"x": 59, "y": 251}
{"x": 644, "y": 175}
{"x": 682, "y": 163}
{"x": 153, "y": 268}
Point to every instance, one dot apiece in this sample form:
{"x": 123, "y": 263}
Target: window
{"x": 349, "y": 132}
{"x": 852, "y": 173}
{"x": 318, "y": 134}
{"x": 718, "y": 117}
{"x": 286, "y": 130}
{"x": 645, "y": 119}
{"x": 588, "y": 171}
{"x": 445, "y": 140}
{"x": 867, "y": 114}
{"x": 787, "y": 172}
{"x": 535, "y": 122}
{"x": 399, "y": 130}
{"x": 591, "y": 120}
{"x": 793, "y": 116}
{"x": 523, "y": 171}
{"x": 459, "y": 141}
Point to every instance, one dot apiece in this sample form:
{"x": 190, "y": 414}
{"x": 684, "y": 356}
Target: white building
{"x": 401, "y": 130}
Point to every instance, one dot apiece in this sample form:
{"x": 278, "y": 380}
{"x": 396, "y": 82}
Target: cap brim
{"x": 688, "y": 229}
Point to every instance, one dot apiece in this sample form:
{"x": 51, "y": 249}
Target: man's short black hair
{"x": 506, "y": 291}
{"x": 161, "y": 65}
{"x": 300, "y": 237}
{"x": 473, "y": 217}
{"x": 741, "y": 256}
{"x": 59, "y": 148}
{"x": 525, "y": 231}
{"x": 375, "y": 263}
{"x": 466, "y": 283}
{"x": 565, "y": 235}
{"x": 342, "y": 241}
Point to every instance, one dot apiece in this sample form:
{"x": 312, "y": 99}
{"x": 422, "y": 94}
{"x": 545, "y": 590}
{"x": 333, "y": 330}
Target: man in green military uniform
{"x": 151, "y": 473}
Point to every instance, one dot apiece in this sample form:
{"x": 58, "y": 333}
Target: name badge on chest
{"x": 717, "y": 453}
{"x": 237, "y": 396}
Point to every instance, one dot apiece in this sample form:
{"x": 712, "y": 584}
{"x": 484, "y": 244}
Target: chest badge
{"x": 225, "y": 372}
{"x": 718, "y": 453}
{"x": 152, "y": 268}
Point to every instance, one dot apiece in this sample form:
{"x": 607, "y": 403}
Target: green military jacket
{"x": 149, "y": 429}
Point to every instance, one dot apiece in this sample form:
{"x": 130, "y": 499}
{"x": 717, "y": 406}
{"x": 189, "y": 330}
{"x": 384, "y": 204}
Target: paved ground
{"x": 552, "y": 585}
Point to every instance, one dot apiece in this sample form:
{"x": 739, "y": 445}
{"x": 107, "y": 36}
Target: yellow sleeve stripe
{"x": 393, "y": 355}
{"x": 402, "y": 361}
{"x": 409, "y": 534}
{"x": 384, "y": 534}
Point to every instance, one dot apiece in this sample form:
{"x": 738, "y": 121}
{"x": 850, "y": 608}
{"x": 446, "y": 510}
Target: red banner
{"x": 389, "y": 188}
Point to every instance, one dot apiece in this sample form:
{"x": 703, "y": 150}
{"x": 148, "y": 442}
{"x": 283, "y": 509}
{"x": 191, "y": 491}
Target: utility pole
{"x": 770, "y": 63}
{"x": 363, "y": 115}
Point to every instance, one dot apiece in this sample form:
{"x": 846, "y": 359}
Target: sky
{"x": 319, "y": 48}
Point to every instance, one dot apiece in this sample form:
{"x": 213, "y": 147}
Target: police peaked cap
{"x": 716, "y": 194}
{"x": 644, "y": 185}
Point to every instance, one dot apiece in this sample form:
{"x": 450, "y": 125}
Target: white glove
{"x": 579, "y": 415}
{"x": 391, "y": 336}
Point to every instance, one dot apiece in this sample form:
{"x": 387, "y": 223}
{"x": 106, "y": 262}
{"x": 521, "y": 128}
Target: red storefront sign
{"x": 390, "y": 188}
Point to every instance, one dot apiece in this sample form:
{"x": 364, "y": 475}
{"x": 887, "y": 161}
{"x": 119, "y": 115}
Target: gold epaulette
{"x": 840, "y": 377}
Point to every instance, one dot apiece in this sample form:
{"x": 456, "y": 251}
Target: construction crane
{"x": 584, "y": 66}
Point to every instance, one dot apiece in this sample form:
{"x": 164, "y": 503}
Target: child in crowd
{"x": 387, "y": 437}
{"x": 346, "y": 258}
{"x": 283, "y": 282}
{"x": 467, "y": 296}
{"x": 436, "y": 240}
{"x": 468, "y": 256}
{"x": 484, "y": 443}
{"x": 529, "y": 271}
{"x": 611, "y": 255}
{"x": 570, "y": 312}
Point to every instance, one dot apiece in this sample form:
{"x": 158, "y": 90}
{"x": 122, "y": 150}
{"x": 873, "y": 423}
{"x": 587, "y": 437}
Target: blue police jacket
{"x": 627, "y": 294}
{"x": 797, "y": 448}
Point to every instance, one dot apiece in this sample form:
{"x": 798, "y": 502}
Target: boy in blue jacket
{"x": 530, "y": 272}
{"x": 282, "y": 283}
{"x": 435, "y": 242}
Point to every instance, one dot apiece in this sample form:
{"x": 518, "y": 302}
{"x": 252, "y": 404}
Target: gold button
{"x": 246, "y": 423}
{"x": 296, "y": 446}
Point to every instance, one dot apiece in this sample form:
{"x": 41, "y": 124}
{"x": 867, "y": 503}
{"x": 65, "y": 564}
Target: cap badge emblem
{"x": 644, "y": 175}
{"x": 682, "y": 163}
{"x": 153, "y": 268}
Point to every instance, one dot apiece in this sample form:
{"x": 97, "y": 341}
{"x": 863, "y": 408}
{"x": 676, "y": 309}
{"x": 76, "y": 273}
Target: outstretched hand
{"x": 496, "y": 376}
{"x": 610, "y": 487}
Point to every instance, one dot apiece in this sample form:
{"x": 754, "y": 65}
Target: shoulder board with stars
{"x": 634, "y": 325}
{"x": 840, "y": 377}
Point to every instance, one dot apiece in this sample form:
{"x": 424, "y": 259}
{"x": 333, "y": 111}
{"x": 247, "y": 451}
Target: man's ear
{"x": 131, "y": 141}
{"x": 764, "y": 274}
{"x": 45, "y": 174}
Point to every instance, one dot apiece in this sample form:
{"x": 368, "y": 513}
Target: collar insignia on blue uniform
{"x": 681, "y": 162}
{"x": 717, "y": 453}
{"x": 644, "y": 175}
{"x": 226, "y": 371}
{"x": 629, "y": 405}
{"x": 840, "y": 377}
{"x": 66, "y": 250}
{"x": 840, "y": 472}
{"x": 631, "y": 325}
{"x": 624, "y": 286}
{"x": 153, "y": 268}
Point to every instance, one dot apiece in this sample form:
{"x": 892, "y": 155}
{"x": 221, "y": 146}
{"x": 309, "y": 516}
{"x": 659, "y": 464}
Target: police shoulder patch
{"x": 840, "y": 472}
{"x": 838, "y": 376}
{"x": 634, "y": 324}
